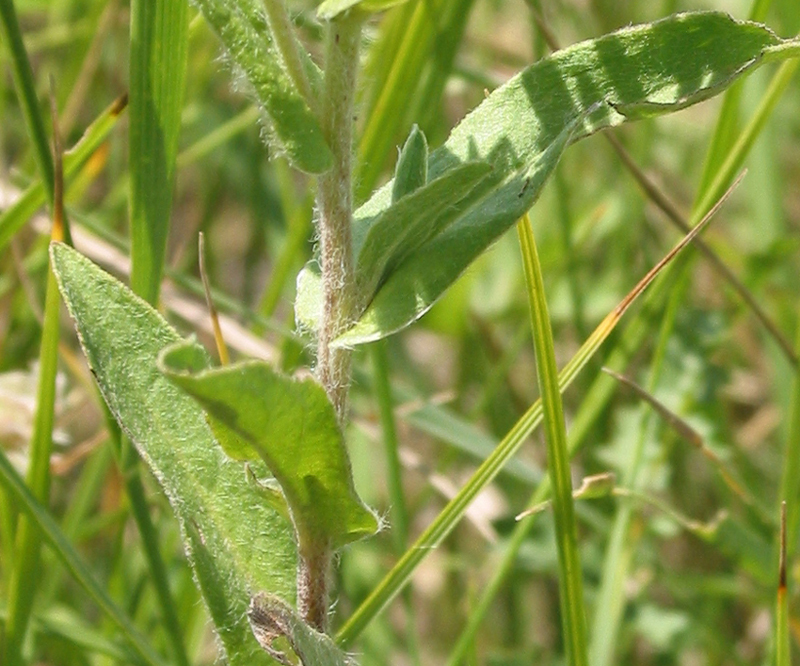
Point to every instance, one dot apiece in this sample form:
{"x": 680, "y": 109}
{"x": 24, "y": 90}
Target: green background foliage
{"x": 677, "y": 564}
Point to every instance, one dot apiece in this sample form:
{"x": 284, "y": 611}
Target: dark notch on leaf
{"x": 782, "y": 564}
{"x": 118, "y": 105}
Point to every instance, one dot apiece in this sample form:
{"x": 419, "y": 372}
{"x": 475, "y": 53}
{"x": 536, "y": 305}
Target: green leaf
{"x": 272, "y": 619}
{"x": 158, "y": 63}
{"x": 411, "y": 171}
{"x": 293, "y": 426}
{"x": 330, "y": 9}
{"x": 243, "y": 30}
{"x": 522, "y": 127}
{"x": 570, "y": 577}
{"x": 406, "y": 226}
{"x": 235, "y": 541}
{"x": 416, "y": 284}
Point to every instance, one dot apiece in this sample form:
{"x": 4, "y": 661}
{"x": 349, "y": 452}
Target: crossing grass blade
{"x": 449, "y": 517}
{"x": 72, "y": 561}
{"x": 15, "y": 217}
{"x": 570, "y": 576}
{"x": 25, "y": 574}
{"x": 159, "y": 48}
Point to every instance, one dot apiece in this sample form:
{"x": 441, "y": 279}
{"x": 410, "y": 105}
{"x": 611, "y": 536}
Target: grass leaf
{"x": 159, "y": 47}
{"x": 573, "y": 617}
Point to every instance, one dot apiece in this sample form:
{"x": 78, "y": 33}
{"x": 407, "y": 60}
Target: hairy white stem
{"x": 334, "y": 201}
{"x": 335, "y": 205}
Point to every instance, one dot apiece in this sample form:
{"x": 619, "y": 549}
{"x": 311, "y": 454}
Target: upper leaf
{"x": 522, "y": 127}
{"x": 235, "y": 541}
{"x": 242, "y": 27}
{"x": 411, "y": 171}
{"x": 330, "y": 9}
{"x": 293, "y": 427}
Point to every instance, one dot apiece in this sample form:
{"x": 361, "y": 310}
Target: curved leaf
{"x": 235, "y": 541}
{"x": 637, "y": 72}
{"x": 293, "y": 427}
{"x": 243, "y": 30}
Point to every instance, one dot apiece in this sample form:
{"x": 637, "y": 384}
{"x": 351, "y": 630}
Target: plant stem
{"x": 335, "y": 204}
{"x": 312, "y": 582}
{"x": 334, "y": 201}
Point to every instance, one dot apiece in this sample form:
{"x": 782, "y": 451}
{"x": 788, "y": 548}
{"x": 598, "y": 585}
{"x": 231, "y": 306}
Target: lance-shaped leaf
{"x": 431, "y": 268}
{"x": 236, "y": 543}
{"x": 292, "y": 425}
{"x": 242, "y": 27}
{"x": 408, "y": 225}
{"x": 636, "y": 72}
{"x": 411, "y": 171}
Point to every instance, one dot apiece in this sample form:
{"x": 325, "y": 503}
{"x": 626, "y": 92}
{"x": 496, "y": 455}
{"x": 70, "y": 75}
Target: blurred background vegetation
{"x": 695, "y": 559}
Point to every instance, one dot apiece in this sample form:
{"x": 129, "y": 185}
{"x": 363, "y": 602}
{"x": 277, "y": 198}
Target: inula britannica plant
{"x": 397, "y": 161}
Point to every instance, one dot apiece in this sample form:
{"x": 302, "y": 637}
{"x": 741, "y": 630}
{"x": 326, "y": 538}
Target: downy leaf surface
{"x": 521, "y": 130}
{"x": 292, "y": 425}
{"x": 243, "y": 29}
{"x": 237, "y": 544}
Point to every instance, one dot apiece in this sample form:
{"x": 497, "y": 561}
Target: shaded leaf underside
{"x": 521, "y": 130}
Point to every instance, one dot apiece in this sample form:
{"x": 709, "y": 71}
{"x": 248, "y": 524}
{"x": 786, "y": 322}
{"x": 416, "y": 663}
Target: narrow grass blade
{"x": 159, "y": 48}
{"x": 25, "y": 573}
{"x": 13, "y": 219}
{"x": 790, "y": 488}
{"x": 26, "y": 91}
{"x": 158, "y": 65}
{"x": 449, "y": 517}
{"x": 733, "y": 163}
{"x": 570, "y": 574}
{"x": 728, "y": 118}
{"x": 595, "y": 400}
{"x": 79, "y": 570}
